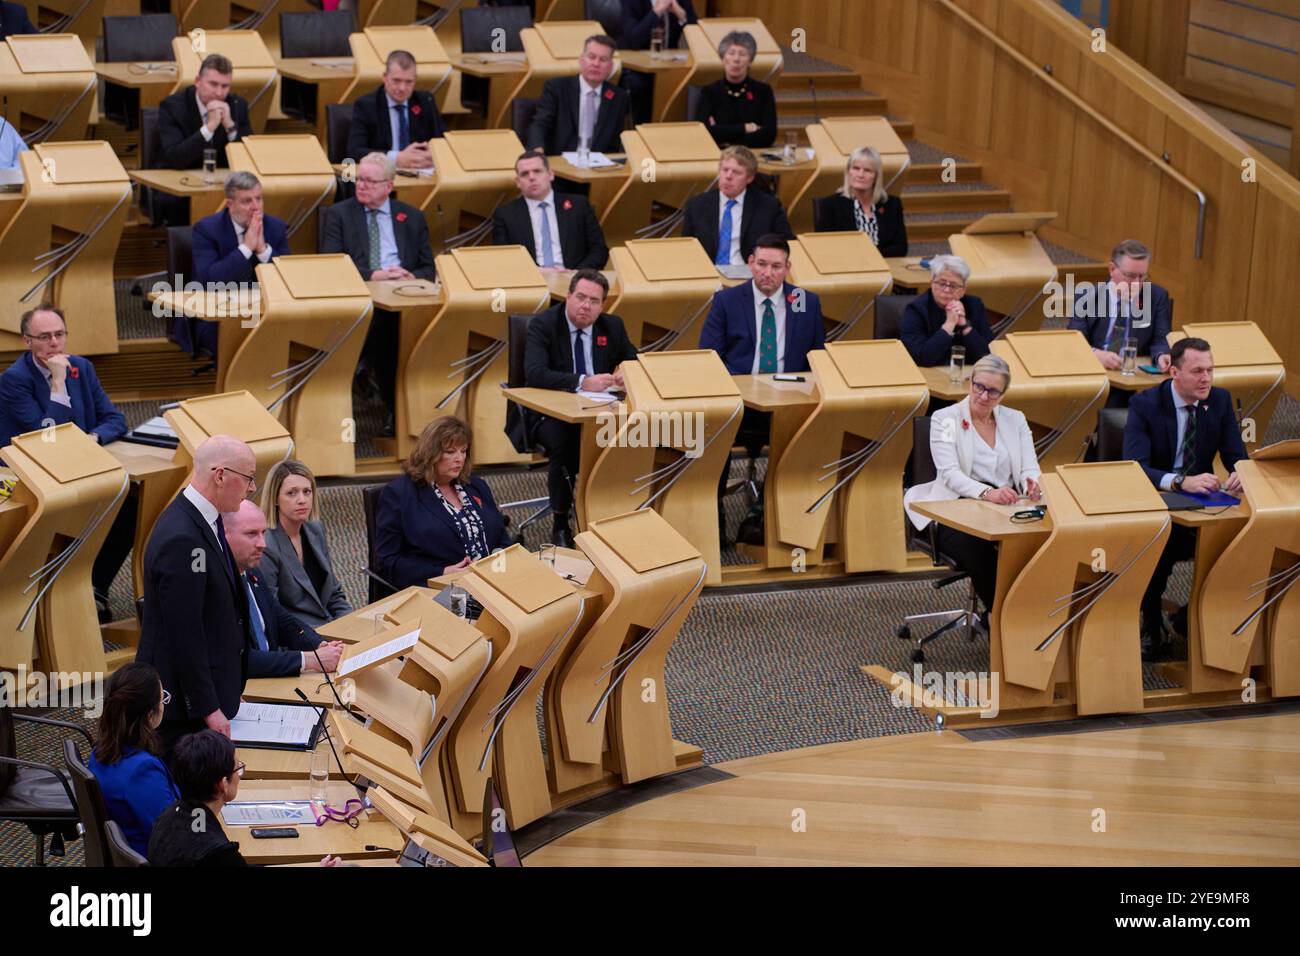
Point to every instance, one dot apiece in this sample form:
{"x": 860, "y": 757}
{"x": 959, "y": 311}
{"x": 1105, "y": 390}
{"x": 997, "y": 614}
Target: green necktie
{"x": 376, "y": 256}
{"x": 1187, "y": 450}
{"x": 767, "y": 340}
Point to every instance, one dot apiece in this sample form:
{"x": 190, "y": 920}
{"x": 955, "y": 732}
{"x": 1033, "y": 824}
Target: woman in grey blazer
{"x": 296, "y": 565}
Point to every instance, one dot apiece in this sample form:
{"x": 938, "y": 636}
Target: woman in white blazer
{"x": 981, "y": 450}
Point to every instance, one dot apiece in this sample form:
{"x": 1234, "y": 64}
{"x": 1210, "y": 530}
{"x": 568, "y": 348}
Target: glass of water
{"x": 957, "y": 364}
{"x": 209, "y": 166}
{"x": 788, "y": 156}
{"x": 584, "y": 152}
{"x": 656, "y": 41}
{"x": 320, "y": 772}
{"x": 1128, "y": 357}
{"x": 548, "y": 555}
{"x": 459, "y": 599}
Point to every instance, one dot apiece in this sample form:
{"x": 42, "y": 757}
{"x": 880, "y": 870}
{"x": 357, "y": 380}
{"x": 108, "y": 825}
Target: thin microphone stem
{"x": 320, "y": 711}
{"x": 333, "y": 690}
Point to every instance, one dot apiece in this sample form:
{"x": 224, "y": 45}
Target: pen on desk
{"x": 788, "y": 378}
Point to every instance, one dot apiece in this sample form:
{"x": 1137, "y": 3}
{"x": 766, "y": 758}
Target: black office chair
{"x": 608, "y": 12}
{"x": 145, "y": 39}
{"x": 923, "y": 471}
{"x": 522, "y": 112}
{"x": 377, "y": 587}
{"x": 1110, "y": 433}
{"x": 180, "y": 250}
{"x": 338, "y": 124}
{"x": 120, "y": 851}
{"x": 889, "y": 315}
{"x": 90, "y": 806}
{"x": 480, "y": 30}
{"x": 522, "y": 423}
{"x": 313, "y": 33}
{"x": 37, "y": 795}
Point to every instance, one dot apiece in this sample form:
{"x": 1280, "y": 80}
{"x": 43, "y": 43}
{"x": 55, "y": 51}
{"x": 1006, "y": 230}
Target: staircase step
{"x": 930, "y": 226}
{"x": 833, "y": 102}
{"x": 799, "y": 68}
{"x": 932, "y": 173}
{"x": 953, "y": 197}
{"x": 152, "y": 368}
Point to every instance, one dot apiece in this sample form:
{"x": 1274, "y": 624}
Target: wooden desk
{"x": 672, "y": 71}
{"x": 205, "y": 198}
{"x": 488, "y": 65}
{"x": 936, "y": 380}
{"x": 154, "y": 80}
{"x": 577, "y": 174}
{"x": 908, "y": 271}
{"x": 1139, "y": 381}
{"x": 314, "y": 69}
{"x": 360, "y": 624}
{"x": 558, "y": 283}
{"x": 335, "y": 838}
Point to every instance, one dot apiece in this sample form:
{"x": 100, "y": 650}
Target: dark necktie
{"x": 579, "y": 356}
{"x": 225, "y": 550}
{"x": 1187, "y": 450}
{"x": 767, "y": 359}
{"x": 403, "y": 126}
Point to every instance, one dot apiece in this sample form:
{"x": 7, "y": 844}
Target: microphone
{"x": 361, "y": 791}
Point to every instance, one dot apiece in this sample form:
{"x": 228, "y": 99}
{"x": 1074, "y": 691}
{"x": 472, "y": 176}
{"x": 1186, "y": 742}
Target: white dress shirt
{"x": 778, "y": 309}
{"x": 990, "y": 465}
{"x": 1167, "y": 482}
{"x": 206, "y": 508}
{"x": 206, "y": 133}
{"x": 586, "y": 347}
{"x": 588, "y": 109}
{"x": 247, "y": 253}
{"x": 737, "y": 216}
{"x": 535, "y": 215}
{"x": 65, "y": 398}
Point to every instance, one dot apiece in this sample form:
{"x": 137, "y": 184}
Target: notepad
{"x": 282, "y": 725}
{"x": 594, "y": 161}
{"x": 605, "y": 397}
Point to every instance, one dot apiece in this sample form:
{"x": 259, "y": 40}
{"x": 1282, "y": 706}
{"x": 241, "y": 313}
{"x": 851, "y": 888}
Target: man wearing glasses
{"x": 1126, "y": 310}
{"x": 195, "y": 626}
{"x": 48, "y": 387}
{"x": 386, "y": 239}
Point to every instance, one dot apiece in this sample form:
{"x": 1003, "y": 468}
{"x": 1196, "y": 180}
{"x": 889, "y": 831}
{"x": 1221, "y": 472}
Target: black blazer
{"x": 555, "y": 124}
{"x": 372, "y": 128}
{"x": 415, "y": 537}
{"x": 286, "y": 578}
{"x": 178, "y": 129}
{"x": 189, "y": 834}
{"x": 582, "y": 243}
{"x": 761, "y": 214}
{"x": 1151, "y": 432}
{"x": 726, "y": 115}
{"x": 921, "y": 330}
{"x": 286, "y": 636}
{"x": 14, "y": 20}
{"x": 1091, "y": 316}
{"x": 345, "y": 230}
{"x": 195, "y": 628}
{"x": 835, "y": 214}
{"x": 548, "y": 356}
{"x": 639, "y": 19}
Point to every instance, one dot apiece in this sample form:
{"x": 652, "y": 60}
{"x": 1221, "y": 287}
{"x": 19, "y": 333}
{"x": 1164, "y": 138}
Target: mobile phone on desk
{"x": 273, "y": 833}
{"x": 1151, "y": 369}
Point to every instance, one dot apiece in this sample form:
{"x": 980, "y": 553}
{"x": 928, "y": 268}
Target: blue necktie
{"x": 548, "y": 249}
{"x": 723, "y": 256}
{"x": 579, "y": 355}
{"x": 254, "y": 615}
{"x": 403, "y": 127}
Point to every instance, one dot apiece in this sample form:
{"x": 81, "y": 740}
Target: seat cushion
{"x": 35, "y": 793}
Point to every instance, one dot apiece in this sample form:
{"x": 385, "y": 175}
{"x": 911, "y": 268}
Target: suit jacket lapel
{"x": 229, "y": 238}
{"x": 400, "y": 235}
{"x": 431, "y": 503}
{"x": 604, "y": 114}
{"x": 564, "y": 222}
{"x": 793, "y": 328}
{"x": 575, "y": 106}
{"x": 965, "y": 437}
{"x": 210, "y": 536}
{"x": 565, "y": 339}
{"x": 747, "y": 319}
{"x": 747, "y": 216}
{"x": 525, "y": 222}
{"x": 289, "y": 558}
{"x": 1169, "y": 412}
{"x": 600, "y": 353}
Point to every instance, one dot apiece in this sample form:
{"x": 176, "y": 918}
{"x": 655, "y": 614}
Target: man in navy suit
{"x": 47, "y": 386}
{"x": 14, "y": 20}
{"x": 1128, "y": 308}
{"x": 396, "y": 119}
{"x": 559, "y": 230}
{"x": 281, "y": 644}
{"x": 728, "y": 220}
{"x": 586, "y": 105}
{"x": 228, "y": 246}
{"x": 761, "y": 327}
{"x": 1174, "y": 431}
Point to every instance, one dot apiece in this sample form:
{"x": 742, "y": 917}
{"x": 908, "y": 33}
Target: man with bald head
{"x": 195, "y": 627}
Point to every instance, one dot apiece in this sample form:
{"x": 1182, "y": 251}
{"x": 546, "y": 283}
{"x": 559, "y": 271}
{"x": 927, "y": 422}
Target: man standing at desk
{"x": 396, "y": 119}
{"x": 195, "y": 628}
{"x": 583, "y": 106}
{"x": 573, "y": 347}
{"x": 204, "y": 116}
{"x": 559, "y": 231}
{"x": 1174, "y": 431}
{"x": 46, "y": 385}
{"x": 729, "y": 219}
{"x": 761, "y": 327}
{"x": 228, "y": 246}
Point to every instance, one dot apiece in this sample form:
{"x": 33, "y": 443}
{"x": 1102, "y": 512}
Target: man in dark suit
{"x": 1174, "y": 432}
{"x": 14, "y": 20}
{"x": 386, "y": 239}
{"x": 1129, "y": 309}
{"x": 397, "y": 119}
{"x": 46, "y": 385}
{"x": 281, "y": 645}
{"x": 641, "y": 18}
{"x": 766, "y": 325}
{"x": 228, "y": 246}
{"x": 206, "y": 115}
{"x": 559, "y": 230}
{"x": 586, "y": 105}
{"x": 728, "y": 220}
{"x": 195, "y": 624}
{"x": 573, "y": 347}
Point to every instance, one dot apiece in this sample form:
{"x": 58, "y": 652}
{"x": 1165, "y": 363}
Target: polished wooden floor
{"x": 1210, "y": 793}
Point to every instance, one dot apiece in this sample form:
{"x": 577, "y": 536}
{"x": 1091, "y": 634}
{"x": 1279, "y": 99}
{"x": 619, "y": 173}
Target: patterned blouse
{"x": 869, "y": 225}
{"x": 468, "y": 522}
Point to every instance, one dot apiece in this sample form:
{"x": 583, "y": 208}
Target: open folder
{"x": 275, "y": 726}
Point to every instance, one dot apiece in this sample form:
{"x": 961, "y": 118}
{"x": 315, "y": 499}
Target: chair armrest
{"x": 36, "y": 765}
{"x": 51, "y": 722}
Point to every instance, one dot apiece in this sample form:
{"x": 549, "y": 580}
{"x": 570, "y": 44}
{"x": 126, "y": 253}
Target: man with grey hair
{"x": 228, "y": 246}
{"x": 204, "y": 116}
{"x": 194, "y": 627}
{"x": 945, "y": 316}
{"x": 586, "y": 106}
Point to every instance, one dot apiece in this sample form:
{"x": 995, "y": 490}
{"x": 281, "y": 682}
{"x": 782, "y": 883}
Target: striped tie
{"x": 723, "y": 256}
{"x": 376, "y": 253}
{"x": 1187, "y": 450}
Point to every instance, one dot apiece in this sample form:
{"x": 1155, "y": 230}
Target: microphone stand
{"x": 361, "y": 791}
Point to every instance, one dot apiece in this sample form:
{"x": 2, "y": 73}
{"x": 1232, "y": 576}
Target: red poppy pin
{"x": 400, "y": 217}
{"x": 415, "y": 109}
{"x": 477, "y": 500}
{"x": 609, "y": 94}
{"x": 749, "y": 95}
{"x": 790, "y": 298}
{"x": 568, "y": 204}
{"x": 965, "y": 425}
{"x": 601, "y": 340}
{"x": 74, "y": 371}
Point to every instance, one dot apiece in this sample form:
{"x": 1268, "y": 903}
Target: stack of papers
{"x": 605, "y": 397}
{"x": 156, "y": 427}
{"x": 284, "y": 725}
{"x": 594, "y": 161}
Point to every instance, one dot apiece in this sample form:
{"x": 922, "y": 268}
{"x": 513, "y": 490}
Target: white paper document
{"x": 156, "y": 427}
{"x": 287, "y": 724}
{"x": 398, "y": 645}
{"x": 267, "y": 813}
{"x": 600, "y": 396}
{"x": 594, "y": 161}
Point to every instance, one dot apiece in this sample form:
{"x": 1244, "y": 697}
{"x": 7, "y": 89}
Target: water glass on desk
{"x": 459, "y": 601}
{"x": 584, "y": 152}
{"x": 657, "y": 41}
{"x": 1128, "y": 357}
{"x": 548, "y": 555}
{"x": 320, "y": 771}
{"x": 957, "y": 364}
{"x": 791, "y": 144}
{"x": 209, "y": 166}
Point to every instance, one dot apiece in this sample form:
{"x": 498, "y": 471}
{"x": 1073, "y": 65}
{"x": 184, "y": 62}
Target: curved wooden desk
{"x": 847, "y": 272}
{"x": 476, "y": 173}
{"x": 665, "y": 288}
{"x": 49, "y": 83}
{"x": 672, "y": 71}
{"x": 666, "y": 163}
{"x": 1009, "y": 269}
{"x": 704, "y": 36}
{"x": 256, "y": 78}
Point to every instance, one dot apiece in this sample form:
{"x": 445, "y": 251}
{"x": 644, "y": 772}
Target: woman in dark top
{"x": 738, "y": 109}
{"x": 136, "y": 785}
{"x": 942, "y": 317}
{"x": 436, "y": 519}
{"x": 862, "y": 205}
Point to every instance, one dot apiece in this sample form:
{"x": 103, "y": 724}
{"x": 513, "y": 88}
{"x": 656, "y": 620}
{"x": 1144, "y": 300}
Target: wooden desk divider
{"x": 370, "y": 49}
{"x": 296, "y": 178}
{"x": 608, "y": 694}
{"x": 49, "y": 84}
{"x": 552, "y": 49}
{"x": 1009, "y": 269}
{"x": 256, "y": 78}
{"x": 847, "y": 272}
{"x": 79, "y": 17}
{"x": 666, "y": 447}
{"x": 237, "y": 414}
{"x": 384, "y": 13}
{"x": 666, "y": 163}
{"x": 530, "y": 614}
{"x": 1057, "y": 383}
{"x": 71, "y": 489}
{"x": 1247, "y": 365}
{"x": 425, "y": 830}
{"x": 363, "y": 750}
{"x": 297, "y": 359}
{"x": 1247, "y": 611}
{"x": 703, "y": 38}
{"x": 833, "y": 141}
{"x": 1081, "y": 591}
{"x": 664, "y": 290}
{"x": 60, "y": 242}
{"x": 458, "y": 364}
{"x": 475, "y": 174}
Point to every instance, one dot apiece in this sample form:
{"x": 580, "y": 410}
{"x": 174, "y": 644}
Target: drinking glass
{"x": 320, "y": 772}
{"x": 459, "y": 599}
{"x": 584, "y": 152}
{"x": 957, "y": 364}
{"x": 656, "y": 41}
{"x": 209, "y": 166}
{"x": 791, "y": 143}
{"x": 548, "y": 555}
{"x": 1128, "y": 356}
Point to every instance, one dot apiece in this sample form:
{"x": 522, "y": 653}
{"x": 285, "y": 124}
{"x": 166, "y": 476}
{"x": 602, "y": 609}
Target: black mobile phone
{"x": 273, "y": 833}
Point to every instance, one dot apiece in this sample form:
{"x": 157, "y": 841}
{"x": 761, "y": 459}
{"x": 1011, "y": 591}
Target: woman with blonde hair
{"x": 863, "y": 205}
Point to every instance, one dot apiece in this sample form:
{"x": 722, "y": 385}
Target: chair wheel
{"x": 904, "y": 632}
{"x": 918, "y": 656}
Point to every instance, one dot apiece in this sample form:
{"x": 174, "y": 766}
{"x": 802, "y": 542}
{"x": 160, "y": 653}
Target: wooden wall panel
{"x": 958, "y": 64}
{"x": 1274, "y": 282}
{"x": 1142, "y": 29}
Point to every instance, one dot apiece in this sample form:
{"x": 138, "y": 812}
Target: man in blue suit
{"x": 46, "y": 386}
{"x": 228, "y": 247}
{"x": 1174, "y": 432}
{"x": 14, "y": 20}
{"x": 762, "y": 327}
{"x": 282, "y": 645}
